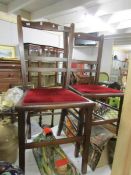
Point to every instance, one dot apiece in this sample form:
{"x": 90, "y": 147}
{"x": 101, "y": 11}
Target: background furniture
{"x": 123, "y": 77}
{"x": 42, "y": 79}
{"x": 118, "y": 67}
{"x": 103, "y": 77}
{"x": 10, "y": 74}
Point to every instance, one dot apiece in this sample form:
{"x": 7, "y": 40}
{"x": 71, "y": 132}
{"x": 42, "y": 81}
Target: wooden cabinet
{"x": 10, "y": 74}
{"x": 48, "y": 79}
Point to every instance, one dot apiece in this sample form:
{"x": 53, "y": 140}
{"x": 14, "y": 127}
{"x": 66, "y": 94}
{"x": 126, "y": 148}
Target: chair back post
{"x": 21, "y": 51}
{"x": 99, "y": 56}
{"x": 70, "y": 52}
{"x": 65, "y": 43}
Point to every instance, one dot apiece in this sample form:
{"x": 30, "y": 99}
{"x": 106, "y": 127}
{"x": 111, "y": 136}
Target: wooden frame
{"x": 7, "y": 52}
{"x": 97, "y": 63}
{"x": 97, "y": 96}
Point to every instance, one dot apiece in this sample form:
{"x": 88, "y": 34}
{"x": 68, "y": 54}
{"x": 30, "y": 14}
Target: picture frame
{"x": 7, "y": 52}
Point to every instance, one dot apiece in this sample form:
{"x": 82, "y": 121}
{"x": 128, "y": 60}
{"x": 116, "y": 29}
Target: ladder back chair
{"x": 41, "y": 99}
{"x": 89, "y": 88}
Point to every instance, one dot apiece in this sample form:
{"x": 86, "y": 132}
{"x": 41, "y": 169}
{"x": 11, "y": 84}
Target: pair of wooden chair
{"x": 70, "y": 96}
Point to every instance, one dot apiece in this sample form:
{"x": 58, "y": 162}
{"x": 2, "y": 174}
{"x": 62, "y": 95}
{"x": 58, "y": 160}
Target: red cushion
{"x": 52, "y": 95}
{"x": 90, "y": 88}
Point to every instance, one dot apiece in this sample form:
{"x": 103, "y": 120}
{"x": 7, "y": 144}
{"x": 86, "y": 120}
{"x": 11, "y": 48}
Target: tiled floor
{"x": 31, "y": 166}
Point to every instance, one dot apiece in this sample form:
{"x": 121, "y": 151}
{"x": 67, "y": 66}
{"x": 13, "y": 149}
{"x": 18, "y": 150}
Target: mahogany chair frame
{"x": 97, "y": 63}
{"x": 86, "y": 107}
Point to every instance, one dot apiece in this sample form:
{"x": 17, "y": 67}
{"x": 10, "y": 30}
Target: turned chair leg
{"x": 119, "y": 114}
{"x": 86, "y": 140}
{"x": 21, "y": 139}
{"x": 52, "y": 118}
{"x": 79, "y": 132}
{"x": 40, "y": 119}
{"x": 61, "y": 122}
{"x": 29, "y": 126}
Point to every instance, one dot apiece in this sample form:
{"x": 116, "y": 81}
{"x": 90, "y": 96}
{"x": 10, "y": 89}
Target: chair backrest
{"x": 90, "y": 69}
{"x": 27, "y": 61}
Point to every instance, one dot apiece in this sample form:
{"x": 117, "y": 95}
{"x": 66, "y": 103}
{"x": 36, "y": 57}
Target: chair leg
{"x": 86, "y": 141}
{"x": 79, "y": 132}
{"x": 61, "y": 122}
{"x": 119, "y": 114}
{"x": 21, "y": 138}
{"x": 29, "y": 126}
{"x": 52, "y": 118}
{"x": 40, "y": 119}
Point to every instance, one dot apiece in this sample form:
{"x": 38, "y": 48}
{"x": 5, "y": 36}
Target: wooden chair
{"x": 91, "y": 89}
{"x": 41, "y": 99}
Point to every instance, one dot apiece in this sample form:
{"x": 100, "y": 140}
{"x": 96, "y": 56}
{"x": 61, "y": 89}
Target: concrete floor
{"x": 31, "y": 166}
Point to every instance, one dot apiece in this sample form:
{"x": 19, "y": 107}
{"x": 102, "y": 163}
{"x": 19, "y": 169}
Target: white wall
{"x": 40, "y": 37}
{"x": 86, "y": 52}
{"x": 8, "y": 33}
{"x": 9, "y": 36}
{"x": 90, "y": 53}
{"x": 106, "y": 62}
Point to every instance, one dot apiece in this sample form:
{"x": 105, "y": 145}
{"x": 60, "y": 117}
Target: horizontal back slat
{"x": 86, "y": 36}
{"x": 38, "y": 69}
{"x": 45, "y": 26}
{"x": 84, "y": 62}
{"x": 82, "y": 70}
{"x": 46, "y": 59}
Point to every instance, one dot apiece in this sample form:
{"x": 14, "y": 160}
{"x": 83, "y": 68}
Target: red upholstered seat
{"x": 51, "y": 95}
{"x": 90, "y": 88}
